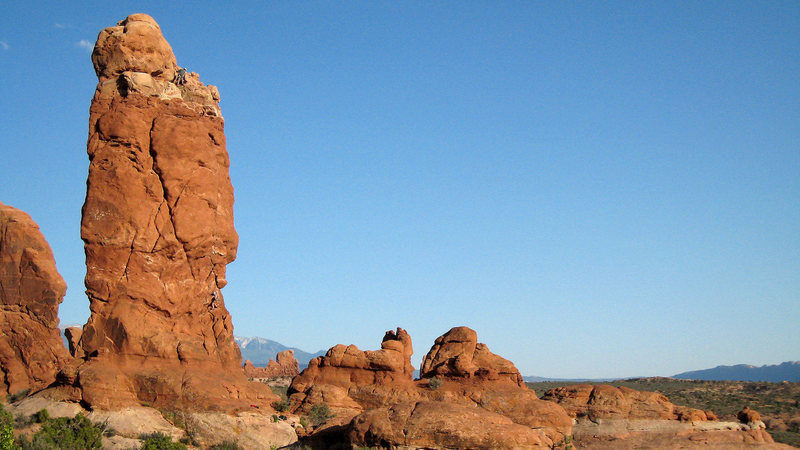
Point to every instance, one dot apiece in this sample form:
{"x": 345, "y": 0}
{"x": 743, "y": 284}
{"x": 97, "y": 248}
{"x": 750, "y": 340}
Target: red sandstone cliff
{"x": 31, "y": 351}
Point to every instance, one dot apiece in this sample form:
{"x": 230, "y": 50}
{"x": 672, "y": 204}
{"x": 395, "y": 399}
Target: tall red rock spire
{"x": 158, "y": 231}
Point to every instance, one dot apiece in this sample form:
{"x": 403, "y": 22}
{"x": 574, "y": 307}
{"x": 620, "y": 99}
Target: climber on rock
{"x": 180, "y": 77}
{"x": 213, "y": 305}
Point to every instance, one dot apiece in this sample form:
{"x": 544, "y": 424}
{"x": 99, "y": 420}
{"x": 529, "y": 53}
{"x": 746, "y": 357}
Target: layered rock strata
{"x": 285, "y": 366}
{"x": 31, "y": 350}
{"x": 158, "y": 231}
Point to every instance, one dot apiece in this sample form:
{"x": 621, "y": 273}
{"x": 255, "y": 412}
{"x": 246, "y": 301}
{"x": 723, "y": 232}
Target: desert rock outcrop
{"x": 352, "y": 380}
{"x": 477, "y": 403}
{"x": 620, "y": 418}
{"x": 609, "y": 402}
{"x": 458, "y": 354}
{"x": 31, "y": 351}
{"x": 472, "y": 375}
{"x": 431, "y": 424}
{"x": 285, "y": 366}
{"x": 158, "y": 232}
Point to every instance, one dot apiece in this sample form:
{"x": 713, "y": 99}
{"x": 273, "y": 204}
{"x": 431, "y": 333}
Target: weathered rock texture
{"x": 432, "y": 424}
{"x": 31, "y": 351}
{"x": 479, "y": 403}
{"x": 474, "y": 376}
{"x": 158, "y": 232}
{"x": 621, "y": 418}
{"x": 351, "y": 380}
{"x": 458, "y": 354}
{"x": 285, "y": 366}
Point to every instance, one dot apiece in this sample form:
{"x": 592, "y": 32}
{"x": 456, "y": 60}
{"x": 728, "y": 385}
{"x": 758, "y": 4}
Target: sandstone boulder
{"x": 158, "y": 233}
{"x": 134, "y": 45}
{"x": 31, "y": 350}
{"x": 458, "y": 354}
{"x": 472, "y": 375}
{"x": 749, "y": 416}
{"x": 73, "y": 335}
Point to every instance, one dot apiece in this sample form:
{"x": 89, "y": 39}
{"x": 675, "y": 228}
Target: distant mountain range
{"x": 533, "y": 379}
{"x": 259, "y": 351}
{"x": 787, "y": 371}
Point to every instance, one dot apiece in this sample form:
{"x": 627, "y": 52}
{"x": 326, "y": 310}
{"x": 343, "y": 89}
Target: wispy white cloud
{"x": 5, "y": 45}
{"x": 86, "y": 45}
{"x": 59, "y": 25}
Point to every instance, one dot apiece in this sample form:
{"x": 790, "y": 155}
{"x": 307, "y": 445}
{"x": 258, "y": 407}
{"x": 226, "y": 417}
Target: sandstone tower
{"x": 158, "y": 231}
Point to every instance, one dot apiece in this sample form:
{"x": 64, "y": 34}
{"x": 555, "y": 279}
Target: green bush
{"x": 320, "y": 414}
{"x": 42, "y": 416}
{"x": 68, "y": 433}
{"x": 7, "y": 437}
{"x": 6, "y": 418}
{"x": 281, "y": 405}
{"x": 434, "y": 383}
{"x": 159, "y": 441}
{"x": 280, "y": 391}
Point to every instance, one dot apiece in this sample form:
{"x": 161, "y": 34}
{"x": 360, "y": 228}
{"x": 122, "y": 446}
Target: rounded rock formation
{"x": 458, "y": 354}
{"x": 31, "y": 350}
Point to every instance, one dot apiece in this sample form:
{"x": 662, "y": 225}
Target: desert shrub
{"x": 225, "y": 445}
{"x": 68, "y": 433}
{"x": 189, "y": 439}
{"x": 22, "y": 421}
{"x": 159, "y": 441}
{"x": 7, "y": 437}
{"x": 6, "y": 418}
{"x": 281, "y": 405}
{"x": 794, "y": 424}
{"x": 41, "y": 416}
{"x": 280, "y": 391}
{"x": 786, "y": 437}
{"x": 303, "y": 421}
{"x": 320, "y": 414}
{"x": 434, "y": 383}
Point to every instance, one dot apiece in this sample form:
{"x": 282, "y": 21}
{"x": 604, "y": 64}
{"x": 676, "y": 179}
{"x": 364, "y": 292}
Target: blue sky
{"x": 600, "y": 189}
